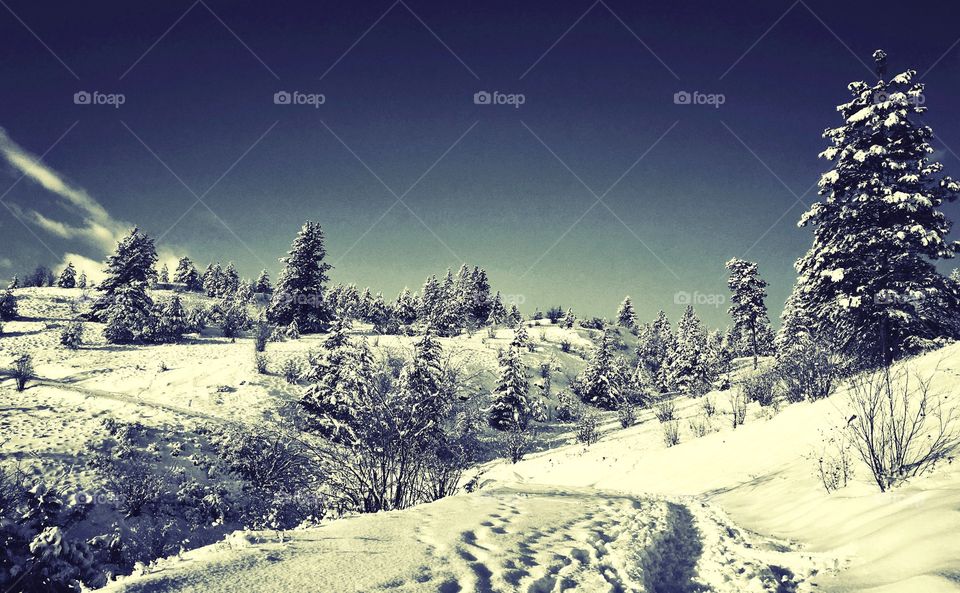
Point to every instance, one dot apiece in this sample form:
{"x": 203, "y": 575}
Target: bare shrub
{"x": 587, "y": 428}
{"x": 665, "y": 410}
{"x": 671, "y": 433}
{"x": 516, "y": 442}
{"x": 700, "y": 426}
{"x": 809, "y": 373}
{"x": 833, "y": 459}
{"x": 22, "y": 370}
{"x": 900, "y": 427}
{"x": 134, "y": 484}
{"x": 709, "y": 406}
{"x": 260, "y": 363}
{"x": 738, "y": 407}
{"x": 291, "y": 370}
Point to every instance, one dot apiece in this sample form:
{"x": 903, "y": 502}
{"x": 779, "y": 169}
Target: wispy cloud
{"x": 80, "y": 217}
{"x": 96, "y": 226}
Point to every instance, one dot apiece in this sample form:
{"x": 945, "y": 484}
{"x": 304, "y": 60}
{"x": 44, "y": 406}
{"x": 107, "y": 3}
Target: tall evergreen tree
{"x": 498, "y": 313}
{"x": 514, "y": 317}
{"x": 213, "y": 279}
{"x": 230, "y": 281}
{"x": 626, "y": 316}
{"x": 187, "y": 274}
{"x": 601, "y": 383}
{"x": 510, "y": 408}
{"x": 262, "y": 284}
{"x": 748, "y": 309}
{"x": 173, "y": 321}
{"x": 131, "y": 268}
{"x": 654, "y": 348}
{"x": 163, "y": 276}
{"x": 688, "y": 369}
{"x": 300, "y": 290}
{"x": 868, "y": 280}
{"x": 82, "y": 281}
{"x": 405, "y": 308}
{"x": 68, "y": 277}
{"x": 480, "y": 301}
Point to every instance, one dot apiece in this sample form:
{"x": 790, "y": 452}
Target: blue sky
{"x": 597, "y": 186}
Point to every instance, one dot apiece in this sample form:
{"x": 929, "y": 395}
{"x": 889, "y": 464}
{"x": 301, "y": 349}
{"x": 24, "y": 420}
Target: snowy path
{"x": 532, "y": 540}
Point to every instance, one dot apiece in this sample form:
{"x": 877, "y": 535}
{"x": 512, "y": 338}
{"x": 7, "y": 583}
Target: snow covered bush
{"x": 515, "y": 443}
{"x": 37, "y": 555}
{"x": 588, "y": 426}
{"x": 71, "y": 337}
{"x": 260, "y": 363}
{"x": 22, "y": 371}
{"x": 134, "y": 485}
{"x": 900, "y": 427}
{"x": 809, "y": 372}
{"x": 291, "y": 370}
{"x": 567, "y": 409}
{"x": 8, "y": 306}
{"x": 627, "y": 414}
{"x": 761, "y": 387}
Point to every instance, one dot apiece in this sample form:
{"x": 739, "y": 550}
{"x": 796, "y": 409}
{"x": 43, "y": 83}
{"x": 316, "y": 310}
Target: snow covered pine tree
{"x": 868, "y": 280}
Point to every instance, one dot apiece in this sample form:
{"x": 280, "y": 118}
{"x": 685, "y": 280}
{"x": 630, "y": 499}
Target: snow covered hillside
{"x": 734, "y": 510}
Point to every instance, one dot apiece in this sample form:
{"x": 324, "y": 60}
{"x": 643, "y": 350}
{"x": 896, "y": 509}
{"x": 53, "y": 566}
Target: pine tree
{"x": 130, "y": 268}
{"x": 213, "y": 279}
{"x": 514, "y": 317}
{"x": 299, "y": 293}
{"x": 342, "y": 387}
{"x": 262, "y": 284}
{"x": 14, "y": 282}
{"x": 82, "y": 281}
{"x": 421, "y": 385}
{"x": 163, "y": 277}
{"x": 230, "y": 281}
{"x": 404, "y": 308}
{"x": 128, "y": 314}
{"x": 173, "y": 321}
{"x": 498, "y": 313}
{"x": 601, "y": 383}
{"x": 430, "y": 298}
{"x": 521, "y": 339}
{"x": 187, "y": 274}
{"x": 688, "y": 371}
{"x": 748, "y": 310}
{"x": 8, "y": 306}
{"x": 626, "y": 316}
{"x": 868, "y": 279}
{"x": 480, "y": 298}
{"x": 68, "y": 277}
{"x": 569, "y": 319}
{"x": 654, "y": 347}
{"x": 510, "y": 409}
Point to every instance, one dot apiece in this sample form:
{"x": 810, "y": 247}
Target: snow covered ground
{"x": 732, "y": 511}
{"x": 624, "y": 513}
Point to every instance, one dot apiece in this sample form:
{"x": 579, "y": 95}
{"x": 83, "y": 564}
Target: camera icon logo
{"x": 682, "y": 298}
{"x": 681, "y": 98}
{"x": 482, "y": 98}
{"x": 81, "y": 98}
{"x": 281, "y": 98}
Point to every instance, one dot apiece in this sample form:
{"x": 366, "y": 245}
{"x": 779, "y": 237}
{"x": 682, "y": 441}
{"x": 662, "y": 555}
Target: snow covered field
{"x": 731, "y": 511}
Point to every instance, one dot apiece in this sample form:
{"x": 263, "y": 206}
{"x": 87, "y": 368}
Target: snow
{"x": 734, "y": 510}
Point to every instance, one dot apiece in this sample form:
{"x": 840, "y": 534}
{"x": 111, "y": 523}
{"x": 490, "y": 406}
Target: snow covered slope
{"x": 622, "y": 514}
